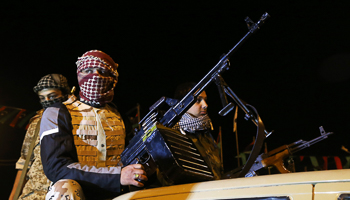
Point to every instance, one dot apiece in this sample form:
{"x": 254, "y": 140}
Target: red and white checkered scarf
{"x": 97, "y": 90}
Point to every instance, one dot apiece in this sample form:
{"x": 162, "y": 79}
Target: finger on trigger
{"x": 139, "y": 171}
{"x": 140, "y": 166}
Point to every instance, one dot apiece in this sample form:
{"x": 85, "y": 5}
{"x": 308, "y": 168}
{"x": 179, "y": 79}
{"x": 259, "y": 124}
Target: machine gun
{"x": 158, "y": 147}
{"x": 276, "y": 156}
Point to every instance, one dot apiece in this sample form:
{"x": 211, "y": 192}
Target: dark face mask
{"x": 48, "y": 103}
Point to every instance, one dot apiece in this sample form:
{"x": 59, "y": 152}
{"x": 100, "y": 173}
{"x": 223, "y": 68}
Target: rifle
{"x": 150, "y": 146}
{"x": 276, "y": 156}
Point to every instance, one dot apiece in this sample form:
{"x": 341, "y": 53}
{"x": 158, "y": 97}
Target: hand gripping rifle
{"x": 276, "y": 156}
{"x": 156, "y": 145}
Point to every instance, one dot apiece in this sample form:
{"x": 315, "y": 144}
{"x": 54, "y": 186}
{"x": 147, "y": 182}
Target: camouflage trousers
{"x": 65, "y": 189}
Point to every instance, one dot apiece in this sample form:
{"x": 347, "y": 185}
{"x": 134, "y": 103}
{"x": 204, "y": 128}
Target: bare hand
{"x": 131, "y": 174}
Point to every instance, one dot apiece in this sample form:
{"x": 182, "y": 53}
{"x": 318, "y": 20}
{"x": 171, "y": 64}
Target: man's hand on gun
{"x": 132, "y": 175}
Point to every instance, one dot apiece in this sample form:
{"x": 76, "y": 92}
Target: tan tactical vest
{"x": 99, "y": 134}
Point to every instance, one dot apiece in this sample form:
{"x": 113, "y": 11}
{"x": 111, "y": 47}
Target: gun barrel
{"x": 309, "y": 143}
{"x": 168, "y": 118}
{"x": 295, "y": 143}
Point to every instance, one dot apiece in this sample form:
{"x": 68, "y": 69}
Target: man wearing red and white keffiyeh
{"x": 97, "y": 77}
{"x": 82, "y": 141}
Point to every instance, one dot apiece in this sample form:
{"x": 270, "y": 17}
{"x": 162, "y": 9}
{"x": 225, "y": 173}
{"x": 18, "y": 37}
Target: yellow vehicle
{"x": 315, "y": 185}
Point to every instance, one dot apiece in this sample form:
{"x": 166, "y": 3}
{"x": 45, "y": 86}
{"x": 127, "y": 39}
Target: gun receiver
{"x": 276, "y": 156}
{"x": 153, "y": 125}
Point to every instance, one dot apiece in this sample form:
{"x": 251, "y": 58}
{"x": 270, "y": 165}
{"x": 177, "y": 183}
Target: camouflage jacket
{"x": 37, "y": 183}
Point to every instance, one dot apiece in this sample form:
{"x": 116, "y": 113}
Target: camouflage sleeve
{"x": 28, "y": 138}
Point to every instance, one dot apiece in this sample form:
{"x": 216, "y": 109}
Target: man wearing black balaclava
{"x": 51, "y": 89}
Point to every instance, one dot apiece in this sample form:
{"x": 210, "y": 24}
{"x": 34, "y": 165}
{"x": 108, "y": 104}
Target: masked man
{"x": 51, "y": 89}
{"x": 82, "y": 140}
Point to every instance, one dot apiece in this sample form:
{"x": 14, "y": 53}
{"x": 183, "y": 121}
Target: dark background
{"x": 295, "y": 70}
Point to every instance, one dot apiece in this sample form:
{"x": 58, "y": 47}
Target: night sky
{"x": 295, "y": 70}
